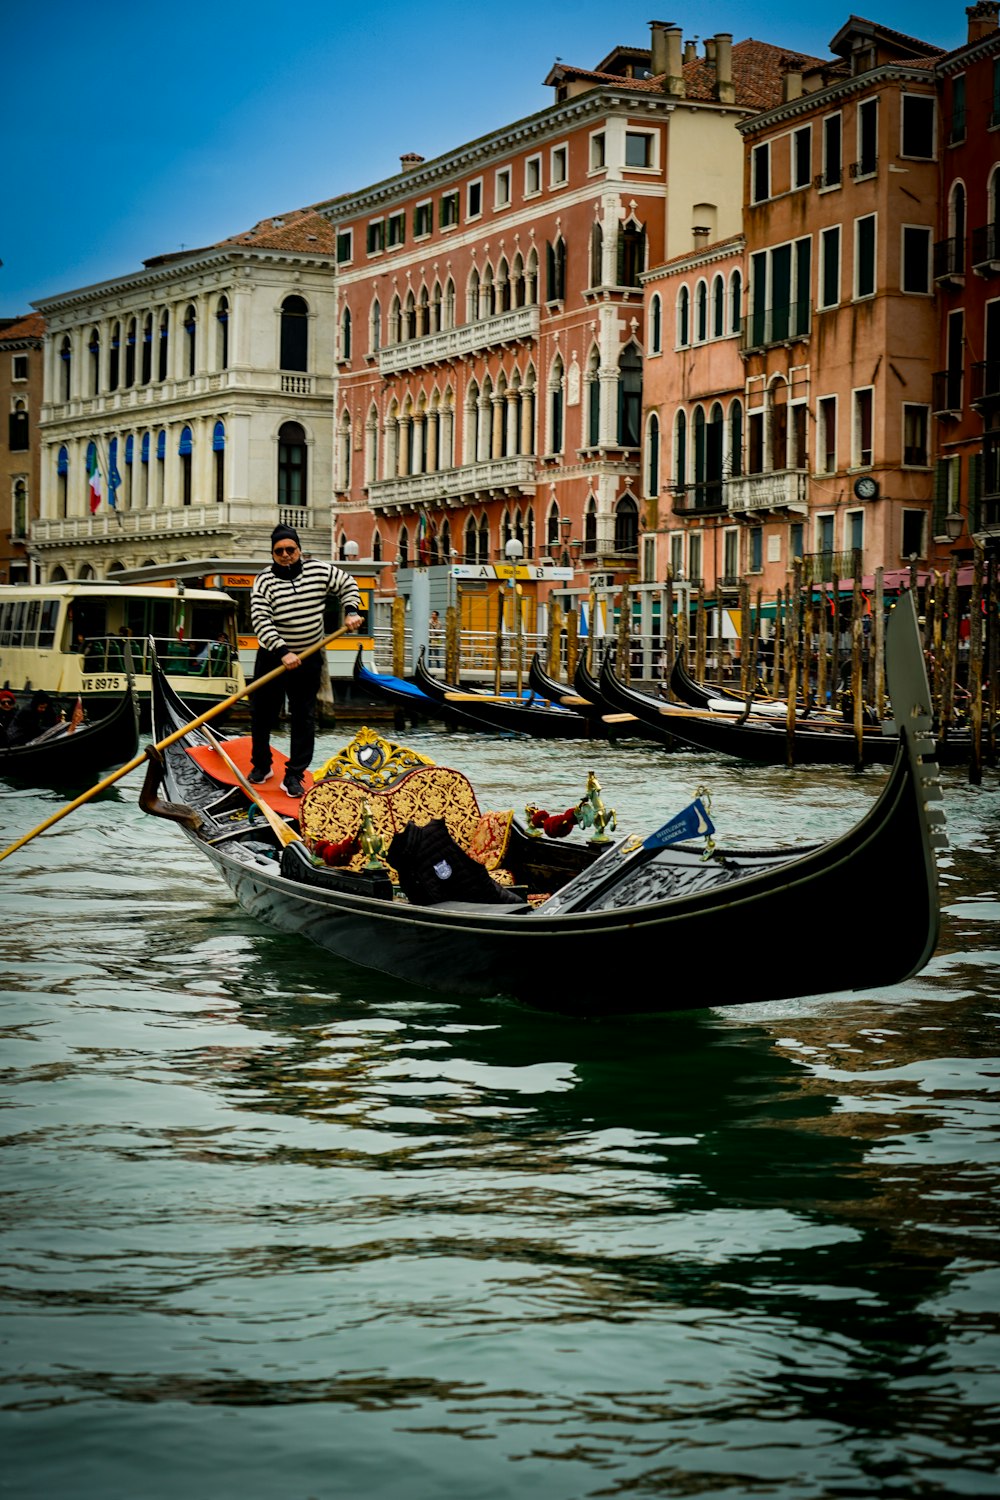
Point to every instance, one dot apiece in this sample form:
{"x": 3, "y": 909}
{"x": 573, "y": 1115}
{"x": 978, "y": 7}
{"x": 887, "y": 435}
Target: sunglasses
{"x": 281, "y": 551}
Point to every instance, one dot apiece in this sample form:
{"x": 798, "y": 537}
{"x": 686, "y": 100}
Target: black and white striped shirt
{"x": 287, "y": 613}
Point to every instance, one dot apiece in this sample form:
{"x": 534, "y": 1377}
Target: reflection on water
{"x": 276, "y": 1226}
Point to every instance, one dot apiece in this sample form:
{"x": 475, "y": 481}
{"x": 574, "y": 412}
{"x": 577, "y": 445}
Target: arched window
{"x": 718, "y": 307}
{"x": 713, "y": 455}
{"x": 736, "y": 439}
{"x": 626, "y": 525}
{"x": 472, "y": 297}
{"x": 190, "y": 337}
{"x": 701, "y": 313}
{"x": 345, "y": 333}
{"x": 129, "y": 470}
{"x": 395, "y": 321}
{"x": 292, "y": 473}
{"x": 593, "y": 400}
{"x": 436, "y": 308}
{"x": 294, "y": 352}
{"x": 403, "y": 560}
{"x": 471, "y": 541}
{"x": 631, "y": 253}
{"x": 590, "y": 527}
{"x": 629, "y": 397}
{"x": 62, "y": 482}
{"x": 484, "y": 540}
{"x": 956, "y": 229}
{"x": 683, "y": 318}
{"x": 344, "y": 453}
{"x": 66, "y": 356}
{"x": 377, "y": 547}
{"x": 114, "y": 356}
{"x": 556, "y": 407}
{"x": 19, "y": 518}
{"x": 698, "y": 428}
{"x": 680, "y": 450}
{"x": 449, "y": 304}
{"x": 552, "y": 529}
{"x": 147, "y": 349}
{"x": 219, "y": 460}
{"x": 130, "y": 342}
{"x": 375, "y": 327}
{"x": 184, "y": 449}
{"x": 163, "y": 347}
{"x": 555, "y": 290}
{"x": 94, "y": 347}
{"x": 222, "y": 334}
{"x": 653, "y": 455}
{"x": 655, "y": 323}
{"x": 596, "y": 254}
{"x": 735, "y": 302}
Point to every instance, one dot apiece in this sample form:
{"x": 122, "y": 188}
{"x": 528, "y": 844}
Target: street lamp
{"x": 514, "y": 552}
{"x": 954, "y": 525}
{"x": 351, "y": 550}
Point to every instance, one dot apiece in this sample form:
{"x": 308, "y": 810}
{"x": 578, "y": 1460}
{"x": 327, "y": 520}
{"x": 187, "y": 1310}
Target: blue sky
{"x": 132, "y": 131}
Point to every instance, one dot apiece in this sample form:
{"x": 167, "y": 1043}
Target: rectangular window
{"x": 824, "y": 534}
{"x": 855, "y": 530}
{"x": 802, "y": 156}
{"x": 864, "y": 256}
{"x": 826, "y": 437}
{"x": 918, "y": 126}
{"x": 532, "y": 176}
{"x": 956, "y": 130}
{"x": 731, "y": 553}
{"x": 376, "y": 236}
{"x": 694, "y": 557}
{"x": 19, "y": 367}
{"x": 760, "y": 172}
{"x": 912, "y": 544}
{"x": 862, "y": 446}
{"x": 915, "y": 428}
{"x": 796, "y": 541}
{"x": 867, "y": 162}
{"x": 345, "y": 246}
{"x": 638, "y": 148}
{"x": 916, "y": 259}
{"x": 755, "y": 442}
{"x": 501, "y": 188}
{"x": 833, "y": 157}
{"x": 677, "y": 555}
{"x": 558, "y": 166}
{"x": 474, "y": 199}
{"x": 597, "y": 151}
{"x": 756, "y": 560}
{"x": 829, "y": 252}
{"x": 423, "y": 220}
{"x": 397, "y": 229}
{"x": 995, "y": 112}
{"x": 448, "y": 213}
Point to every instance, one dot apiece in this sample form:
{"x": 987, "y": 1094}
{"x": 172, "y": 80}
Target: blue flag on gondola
{"x": 692, "y": 823}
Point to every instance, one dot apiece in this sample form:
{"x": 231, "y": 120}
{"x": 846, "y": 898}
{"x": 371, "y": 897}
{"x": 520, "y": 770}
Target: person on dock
{"x": 286, "y": 610}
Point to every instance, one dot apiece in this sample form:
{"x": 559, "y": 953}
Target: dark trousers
{"x": 300, "y": 687}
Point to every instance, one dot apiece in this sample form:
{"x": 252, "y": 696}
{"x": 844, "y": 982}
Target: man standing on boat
{"x": 286, "y": 611}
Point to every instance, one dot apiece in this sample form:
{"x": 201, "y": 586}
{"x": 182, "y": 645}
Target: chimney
{"x": 725, "y": 89}
{"x": 710, "y": 51}
{"x": 673, "y": 82}
{"x": 791, "y": 85}
{"x": 983, "y": 18}
{"x": 690, "y": 52}
{"x": 409, "y": 160}
{"x": 658, "y": 48}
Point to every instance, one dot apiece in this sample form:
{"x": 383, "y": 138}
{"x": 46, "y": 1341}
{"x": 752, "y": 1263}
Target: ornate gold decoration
{"x": 372, "y": 842}
{"x": 591, "y": 812}
{"x": 371, "y": 760}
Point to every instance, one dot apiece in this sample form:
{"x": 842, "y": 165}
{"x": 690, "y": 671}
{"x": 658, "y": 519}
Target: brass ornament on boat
{"x": 372, "y": 842}
{"x": 591, "y": 812}
{"x": 372, "y": 760}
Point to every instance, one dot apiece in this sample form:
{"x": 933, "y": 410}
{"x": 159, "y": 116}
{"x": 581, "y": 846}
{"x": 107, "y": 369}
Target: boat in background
{"x": 507, "y": 714}
{"x": 74, "y": 755}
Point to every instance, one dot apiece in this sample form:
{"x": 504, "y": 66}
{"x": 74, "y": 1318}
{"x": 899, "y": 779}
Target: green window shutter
{"x": 940, "y": 498}
{"x": 975, "y": 491}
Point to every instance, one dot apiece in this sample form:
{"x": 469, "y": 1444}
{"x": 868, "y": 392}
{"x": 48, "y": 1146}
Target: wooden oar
{"x": 178, "y": 734}
{"x": 619, "y": 718}
{"x": 284, "y": 834}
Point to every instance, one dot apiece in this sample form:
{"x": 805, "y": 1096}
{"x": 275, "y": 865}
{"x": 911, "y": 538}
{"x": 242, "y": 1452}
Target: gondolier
{"x": 286, "y": 610}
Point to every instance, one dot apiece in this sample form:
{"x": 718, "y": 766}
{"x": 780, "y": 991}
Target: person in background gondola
{"x": 8, "y": 705}
{"x": 33, "y": 719}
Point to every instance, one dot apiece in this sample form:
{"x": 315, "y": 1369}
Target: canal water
{"x": 276, "y": 1228}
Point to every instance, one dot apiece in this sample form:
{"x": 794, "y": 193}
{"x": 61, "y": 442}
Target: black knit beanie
{"x": 284, "y": 533}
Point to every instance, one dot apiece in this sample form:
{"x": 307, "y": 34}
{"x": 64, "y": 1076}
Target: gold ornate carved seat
{"x": 400, "y": 787}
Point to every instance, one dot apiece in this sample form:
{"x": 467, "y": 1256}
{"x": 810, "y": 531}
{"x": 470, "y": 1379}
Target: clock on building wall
{"x": 866, "y": 488}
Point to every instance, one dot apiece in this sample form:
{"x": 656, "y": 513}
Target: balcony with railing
{"x": 946, "y": 393}
{"x": 781, "y": 489}
{"x": 176, "y": 522}
{"x": 704, "y": 499}
{"x": 511, "y": 327}
{"x": 776, "y": 325}
{"x": 949, "y": 261}
{"x": 986, "y": 250}
{"x": 500, "y": 476}
{"x": 984, "y": 385}
{"x": 824, "y": 567}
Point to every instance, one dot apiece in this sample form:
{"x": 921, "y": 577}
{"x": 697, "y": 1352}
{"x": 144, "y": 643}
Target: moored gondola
{"x": 69, "y": 755}
{"x": 649, "y": 925}
{"x": 507, "y": 715}
{"x": 769, "y": 742}
{"x": 399, "y": 691}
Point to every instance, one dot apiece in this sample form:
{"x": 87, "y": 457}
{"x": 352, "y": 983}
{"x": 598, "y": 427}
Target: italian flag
{"x": 94, "y": 480}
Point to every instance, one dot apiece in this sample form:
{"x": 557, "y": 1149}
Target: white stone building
{"x": 202, "y": 386}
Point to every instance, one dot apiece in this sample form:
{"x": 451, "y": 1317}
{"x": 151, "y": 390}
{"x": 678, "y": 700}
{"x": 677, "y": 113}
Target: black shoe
{"x": 292, "y": 786}
{"x": 257, "y": 778}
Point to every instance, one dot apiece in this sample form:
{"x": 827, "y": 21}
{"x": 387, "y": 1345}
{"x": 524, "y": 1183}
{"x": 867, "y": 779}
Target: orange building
{"x": 21, "y": 368}
{"x": 966, "y": 398}
{"x": 492, "y": 339}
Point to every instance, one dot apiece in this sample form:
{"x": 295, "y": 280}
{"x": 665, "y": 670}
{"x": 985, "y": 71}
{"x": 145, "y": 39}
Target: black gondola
{"x": 551, "y": 691}
{"x": 643, "y": 927}
{"x": 399, "y": 691}
{"x": 74, "y": 757}
{"x": 507, "y": 715}
{"x": 812, "y": 742}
